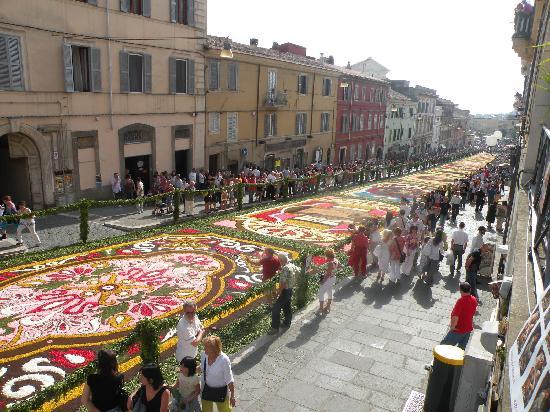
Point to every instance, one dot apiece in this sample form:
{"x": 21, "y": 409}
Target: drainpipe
{"x": 110, "y": 66}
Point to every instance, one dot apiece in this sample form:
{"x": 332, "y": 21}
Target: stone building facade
{"x": 96, "y": 87}
{"x": 400, "y": 126}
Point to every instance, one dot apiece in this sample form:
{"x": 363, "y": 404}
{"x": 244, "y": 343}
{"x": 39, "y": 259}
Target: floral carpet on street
{"x": 54, "y": 315}
{"x": 325, "y": 220}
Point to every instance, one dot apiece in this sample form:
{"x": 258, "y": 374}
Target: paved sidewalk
{"x": 366, "y": 355}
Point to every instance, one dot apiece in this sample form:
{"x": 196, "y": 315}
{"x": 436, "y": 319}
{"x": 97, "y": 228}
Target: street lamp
{"x": 226, "y": 52}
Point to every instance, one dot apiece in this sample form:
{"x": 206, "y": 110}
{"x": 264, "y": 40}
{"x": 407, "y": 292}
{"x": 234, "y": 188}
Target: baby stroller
{"x": 160, "y": 208}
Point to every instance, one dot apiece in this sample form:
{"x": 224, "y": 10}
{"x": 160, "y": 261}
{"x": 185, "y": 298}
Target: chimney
{"x": 330, "y": 60}
{"x": 275, "y": 46}
{"x": 322, "y": 59}
{"x": 254, "y": 42}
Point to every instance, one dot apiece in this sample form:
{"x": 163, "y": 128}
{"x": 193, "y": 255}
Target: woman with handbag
{"x": 103, "y": 390}
{"x": 217, "y": 376}
{"x": 152, "y": 395}
{"x": 397, "y": 255}
{"x": 433, "y": 252}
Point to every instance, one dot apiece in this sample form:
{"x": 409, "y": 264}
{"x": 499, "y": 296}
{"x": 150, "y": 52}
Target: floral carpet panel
{"x": 55, "y": 314}
{"x": 417, "y": 184}
{"x": 324, "y": 220}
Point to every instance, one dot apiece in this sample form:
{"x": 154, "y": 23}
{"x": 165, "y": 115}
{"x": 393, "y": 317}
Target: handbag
{"x": 212, "y": 394}
{"x": 137, "y": 401}
{"x": 402, "y": 256}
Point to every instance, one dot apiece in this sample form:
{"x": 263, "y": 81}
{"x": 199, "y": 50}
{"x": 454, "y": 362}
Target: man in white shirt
{"x": 399, "y": 221}
{"x": 459, "y": 242}
{"x": 189, "y": 332}
{"x": 116, "y": 185}
{"x": 477, "y": 241}
{"x": 193, "y": 175}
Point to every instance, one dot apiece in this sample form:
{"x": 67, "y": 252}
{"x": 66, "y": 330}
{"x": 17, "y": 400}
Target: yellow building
{"x": 269, "y": 107}
{"x": 89, "y": 88}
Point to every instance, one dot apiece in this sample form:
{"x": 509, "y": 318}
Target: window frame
{"x": 5, "y": 37}
{"x": 236, "y": 116}
{"x": 325, "y": 122}
{"x": 142, "y": 57}
{"x": 301, "y": 123}
{"x": 213, "y": 63}
{"x": 211, "y": 117}
{"x": 186, "y": 75}
{"x": 302, "y": 82}
{"x": 327, "y": 81}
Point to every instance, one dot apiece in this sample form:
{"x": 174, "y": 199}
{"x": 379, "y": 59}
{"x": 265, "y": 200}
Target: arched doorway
{"x": 138, "y": 153}
{"x": 25, "y": 165}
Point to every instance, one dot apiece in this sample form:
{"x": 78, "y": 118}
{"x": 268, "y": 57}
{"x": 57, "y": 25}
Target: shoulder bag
{"x": 137, "y": 401}
{"x": 212, "y": 394}
{"x": 402, "y": 256}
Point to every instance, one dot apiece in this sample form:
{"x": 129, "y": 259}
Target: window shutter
{"x": 92, "y": 2}
{"x": 266, "y": 125}
{"x": 298, "y": 124}
{"x": 299, "y": 83}
{"x": 4, "y": 64}
{"x": 274, "y": 120}
{"x": 147, "y": 73}
{"x": 16, "y": 65}
{"x": 173, "y": 11}
{"x": 190, "y": 77}
{"x": 124, "y": 73}
{"x": 172, "y": 74}
{"x": 305, "y": 84}
{"x": 213, "y": 78}
{"x": 232, "y": 72}
{"x": 191, "y": 12}
{"x": 68, "y": 63}
{"x": 95, "y": 63}
{"x": 125, "y": 6}
{"x": 146, "y": 8}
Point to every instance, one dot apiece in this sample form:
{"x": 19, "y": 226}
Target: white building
{"x": 372, "y": 68}
{"x": 438, "y": 113}
{"x": 400, "y": 125}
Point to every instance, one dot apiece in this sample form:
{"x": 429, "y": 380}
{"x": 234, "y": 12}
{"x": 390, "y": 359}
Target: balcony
{"x": 523, "y": 24}
{"x": 275, "y": 99}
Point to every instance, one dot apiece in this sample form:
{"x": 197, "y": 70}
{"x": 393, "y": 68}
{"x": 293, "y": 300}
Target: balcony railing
{"x": 523, "y": 23}
{"x": 275, "y": 99}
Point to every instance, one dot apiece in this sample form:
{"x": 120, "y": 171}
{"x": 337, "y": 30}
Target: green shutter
{"x": 191, "y": 12}
{"x": 147, "y": 70}
{"x": 172, "y": 75}
{"x": 190, "y": 76}
{"x": 95, "y": 64}
{"x": 68, "y": 65}
{"x": 124, "y": 72}
{"x": 146, "y": 8}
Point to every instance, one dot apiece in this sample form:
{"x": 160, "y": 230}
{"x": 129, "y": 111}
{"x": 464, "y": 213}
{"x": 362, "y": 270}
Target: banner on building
{"x": 529, "y": 361}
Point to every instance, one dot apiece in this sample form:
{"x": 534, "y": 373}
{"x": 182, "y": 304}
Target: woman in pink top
{"x": 7, "y": 209}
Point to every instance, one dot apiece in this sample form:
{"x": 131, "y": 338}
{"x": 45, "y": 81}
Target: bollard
{"x": 444, "y": 378}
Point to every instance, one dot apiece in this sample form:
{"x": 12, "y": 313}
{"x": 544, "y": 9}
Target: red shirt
{"x": 359, "y": 241}
{"x": 465, "y": 308}
{"x": 270, "y": 266}
{"x": 397, "y": 246}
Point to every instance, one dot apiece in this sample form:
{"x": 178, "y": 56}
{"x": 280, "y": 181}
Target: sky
{"x": 461, "y": 48}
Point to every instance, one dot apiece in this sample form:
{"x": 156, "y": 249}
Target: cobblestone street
{"x": 368, "y": 354}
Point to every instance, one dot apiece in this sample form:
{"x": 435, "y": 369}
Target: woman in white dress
{"x": 327, "y": 282}
{"x": 382, "y": 252}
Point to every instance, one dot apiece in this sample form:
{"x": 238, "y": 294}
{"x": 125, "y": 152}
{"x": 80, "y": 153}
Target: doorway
{"x": 269, "y": 162}
{"x": 182, "y": 162}
{"x": 17, "y": 184}
{"x": 139, "y": 166}
{"x": 342, "y": 156}
{"x": 213, "y": 165}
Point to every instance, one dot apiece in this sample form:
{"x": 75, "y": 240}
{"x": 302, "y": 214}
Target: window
{"x": 327, "y": 87}
{"x": 232, "y": 76}
{"x": 11, "y": 65}
{"x": 302, "y": 84}
{"x": 411, "y": 112}
{"x": 270, "y": 124}
{"x": 141, "y": 7}
{"x": 375, "y": 122}
{"x": 369, "y": 127}
{"x": 271, "y": 83}
{"x": 364, "y": 95}
{"x": 182, "y": 11}
{"x": 214, "y": 123}
{"x": 346, "y": 92}
{"x": 325, "y": 122}
{"x": 345, "y": 123}
{"x": 82, "y": 68}
{"x": 232, "y": 126}
{"x": 213, "y": 75}
{"x": 362, "y": 122}
{"x": 135, "y": 73}
{"x": 356, "y": 92}
{"x": 301, "y": 123}
{"x": 182, "y": 76}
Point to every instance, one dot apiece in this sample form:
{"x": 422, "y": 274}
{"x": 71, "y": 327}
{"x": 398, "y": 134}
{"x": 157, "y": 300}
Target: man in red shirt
{"x": 462, "y": 318}
{"x": 270, "y": 266}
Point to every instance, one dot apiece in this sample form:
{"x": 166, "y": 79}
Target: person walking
{"x": 129, "y": 187}
{"x": 411, "y": 248}
{"x": 27, "y": 222}
{"x": 491, "y": 214}
{"x": 187, "y": 388}
{"x": 432, "y": 250}
{"x": 397, "y": 255}
{"x": 270, "y": 266}
{"x": 358, "y": 252}
{"x": 189, "y": 331}
{"x": 480, "y": 199}
{"x": 502, "y": 210}
{"x": 477, "y": 240}
{"x": 217, "y": 377}
{"x": 140, "y": 193}
{"x": 7, "y": 208}
{"x": 462, "y": 317}
{"x": 443, "y": 211}
{"x": 455, "y": 206}
{"x": 473, "y": 262}
{"x": 400, "y": 221}
{"x": 459, "y": 242}
{"x": 103, "y": 389}
{"x": 382, "y": 252}
{"x": 287, "y": 279}
{"x": 327, "y": 282}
